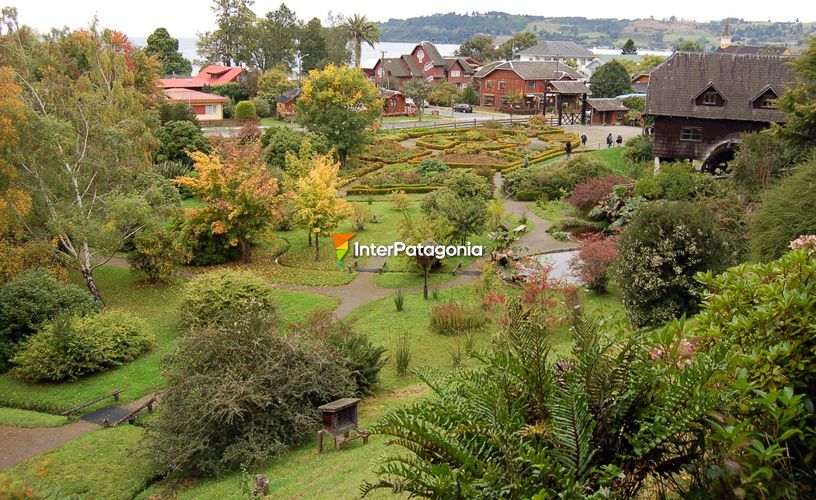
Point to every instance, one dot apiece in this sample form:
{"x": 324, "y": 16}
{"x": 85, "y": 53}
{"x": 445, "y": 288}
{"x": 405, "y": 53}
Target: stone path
{"x": 18, "y": 444}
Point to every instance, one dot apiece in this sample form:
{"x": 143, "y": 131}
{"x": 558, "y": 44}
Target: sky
{"x": 186, "y": 17}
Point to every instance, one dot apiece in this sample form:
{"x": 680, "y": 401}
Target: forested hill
{"x": 651, "y": 33}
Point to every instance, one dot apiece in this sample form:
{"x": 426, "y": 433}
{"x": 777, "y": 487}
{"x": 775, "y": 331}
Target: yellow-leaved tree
{"x": 242, "y": 199}
{"x": 14, "y": 202}
{"x": 319, "y": 211}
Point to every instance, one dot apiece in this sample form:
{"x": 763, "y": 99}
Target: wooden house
{"x": 394, "y": 103}
{"x": 285, "y": 103}
{"x": 702, "y": 103}
{"x": 424, "y": 62}
{"x": 522, "y": 84}
{"x": 607, "y": 111}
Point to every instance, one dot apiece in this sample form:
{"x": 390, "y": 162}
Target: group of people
{"x": 610, "y": 141}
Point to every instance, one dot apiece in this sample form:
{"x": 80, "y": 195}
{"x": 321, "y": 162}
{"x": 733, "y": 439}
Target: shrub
{"x": 553, "y": 180}
{"x": 212, "y": 297}
{"x": 661, "y": 250}
{"x": 363, "y": 359}
{"x": 19, "y": 256}
{"x": 431, "y": 167}
{"x": 593, "y": 262}
{"x": 399, "y": 200}
{"x": 277, "y": 141}
{"x": 402, "y": 354}
{"x": 360, "y": 216}
{"x": 638, "y": 150}
{"x": 399, "y": 299}
{"x": 177, "y": 111}
{"x": 176, "y": 138}
{"x": 250, "y": 133}
{"x": 453, "y": 319}
{"x": 32, "y": 299}
{"x": 241, "y": 392}
{"x": 678, "y": 182}
{"x": 262, "y": 106}
{"x": 786, "y": 211}
{"x": 761, "y": 159}
{"x": 155, "y": 253}
{"x": 156, "y": 190}
{"x": 245, "y": 110}
{"x": 229, "y": 110}
{"x": 170, "y": 169}
{"x": 69, "y": 347}
{"x": 588, "y": 193}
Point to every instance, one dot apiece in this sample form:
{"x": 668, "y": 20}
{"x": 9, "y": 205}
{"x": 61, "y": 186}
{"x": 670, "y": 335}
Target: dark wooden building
{"x": 702, "y": 103}
{"x": 285, "y": 103}
{"x": 394, "y": 103}
{"x": 607, "y": 111}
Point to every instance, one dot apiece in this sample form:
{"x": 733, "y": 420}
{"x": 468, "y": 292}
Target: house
{"x": 503, "y": 82}
{"x": 607, "y": 111}
{"x": 424, "y": 61}
{"x": 394, "y": 103}
{"x": 702, "y": 103}
{"x": 563, "y": 51}
{"x": 726, "y": 47}
{"x": 208, "y": 77}
{"x": 640, "y": 83}
{"x": 207, "y": 107}
{"x": 285, "y": 103}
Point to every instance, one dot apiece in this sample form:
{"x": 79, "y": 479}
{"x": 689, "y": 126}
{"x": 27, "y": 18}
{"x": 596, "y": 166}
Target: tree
{"x": 688, "y": 46}
{"x": 245, "y": 110}
{"x": 241, "y": 197}
{"x": 461, "y": 204}
{"x": 798, "y": 103}
{"x": 312, "y": 46}
{"x": 176, "y": 139}
{"x": 470, "y": 95}
{"x": 360, "y": 29}
{"x": 319, "y": 210}
{"x": 444, "y": 94}
{"x": 418, "y": 90}
{"x": 271, "y": 41}
{"x": 629, "y": 47}
{"x": 610, "y": 80}
{"x": 14, "y": 202}
{"x": 87, "y": 127}
{"x": 518, "y": 42}
{"x": 337, "y": 42}
{"x": 480, "y": 47}
{"x": 649, "y": 62}
{"x": 225, "y": 44}
{"x": 165, "y": 48}
{"x": 273, "y": 82}
{"x": 339, "y": 104}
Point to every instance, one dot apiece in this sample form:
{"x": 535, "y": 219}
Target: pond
{"x": 560, "y": 262}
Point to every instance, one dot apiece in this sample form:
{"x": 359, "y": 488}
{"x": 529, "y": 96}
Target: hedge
{"x": 407, "y": 188}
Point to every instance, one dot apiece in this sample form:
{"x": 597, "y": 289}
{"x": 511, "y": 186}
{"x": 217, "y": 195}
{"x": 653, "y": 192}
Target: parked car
{"x": 463, "y": 108}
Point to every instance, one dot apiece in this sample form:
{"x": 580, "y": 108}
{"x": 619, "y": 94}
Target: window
{"x": 393, "y": 102}
{"x": 420, "y": 55}
{"x": 766, "y": 102}
{"x": 211, "y": 109}
{"x": 710, "y": 99}
{"x": 620, "y": 116}
{"x": 502, "y": 85}
{"x": 531, "y": 85}
{"x": 691, "y": 134}
{"x": 488, "y": 100}
{"x": 456, "y": 73}
{"x": 428, "y": 66}
{"x": 489, "y": 84}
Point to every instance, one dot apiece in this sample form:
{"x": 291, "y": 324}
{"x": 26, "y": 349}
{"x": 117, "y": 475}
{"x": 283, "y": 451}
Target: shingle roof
{"x": 606, "y": 104}
{"x": 752, "y": 49}
{"x": 211, "y": 75}
{"x": 467, "y": 68}
{"x": 433, "y": 53}
{"x": 570, "y": 87}
{"x": 739, "y": 78}
{"x": 557, "y": 48}
{"x": 386, "y": 93}
{"x": 193, "y": 96}
{"x": 289, "y": 95}
{"x": 532, "y": 70}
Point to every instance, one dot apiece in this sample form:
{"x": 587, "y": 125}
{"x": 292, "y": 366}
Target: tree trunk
{"x": 343, "y": 158}
{"x": 246, "y": 250}
{"x": 358, "y": 46}
{"x": 317, "y": 248}
{"x": 89, "y": 280}
{"x": 309, "y": 231}
{"x": 425, "y": 270}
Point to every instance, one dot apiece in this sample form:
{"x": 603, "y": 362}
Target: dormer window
{"x": 710, "y": 96}
{"x": 765, "y": 99}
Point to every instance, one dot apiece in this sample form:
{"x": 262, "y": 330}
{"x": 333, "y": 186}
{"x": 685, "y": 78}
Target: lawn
{"x": 553, "y": 211}
{"x": 157, "y": 306}
{"x": 614, "y": 158}
{"x": 30, "y": 419}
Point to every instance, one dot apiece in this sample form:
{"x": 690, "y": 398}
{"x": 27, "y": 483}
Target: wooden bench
{"x": 456, "y": 268}
{"x": 133, "y": 414}
{"x": 115, "y": 395}
{"x": 520, "y": 229}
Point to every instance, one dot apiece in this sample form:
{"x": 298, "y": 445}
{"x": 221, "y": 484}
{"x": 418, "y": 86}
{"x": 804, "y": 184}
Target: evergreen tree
{"x": 165, "y": 48}
{"x": 610, "y": 80}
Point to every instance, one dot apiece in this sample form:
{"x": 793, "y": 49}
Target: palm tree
{"x": 360, "y": 29}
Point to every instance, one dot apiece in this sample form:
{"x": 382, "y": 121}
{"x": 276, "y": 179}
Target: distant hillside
{"x": 647, "y": 33}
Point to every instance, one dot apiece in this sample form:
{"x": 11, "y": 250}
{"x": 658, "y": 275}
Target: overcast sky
{"x": 186, "y": 17}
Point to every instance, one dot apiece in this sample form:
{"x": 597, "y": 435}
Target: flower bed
{"x": 389, "y": 151}
{"x": 401, "y": 174}
{"x": 386, "y": 189}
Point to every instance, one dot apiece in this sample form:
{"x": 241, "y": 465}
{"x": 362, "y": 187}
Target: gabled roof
{"x": 531, "y": 70}
{"x": 739, "y": 78}
{"x": 570, "y": 87}
{"x": 565, "y": 49}
{"x": 765, "y": 90}
{"x": 211, "y": 75}
{"x": 193, "y": 96}
{"x": 754, "y": 49}
{"x": 606, "y": 104}
{"x": 387, "y": 93}
{"x": 289, "y": 95}
{"x": 467, "y": 68}
{"x": 708, "y": 87}
{"x": 432, "y": 52}
{"x": 180, "y": 83}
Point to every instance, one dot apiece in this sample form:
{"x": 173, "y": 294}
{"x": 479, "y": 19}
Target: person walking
{"x": 583, "y": 139}
{"x": 609, "y": 141}
{"x": 619, "y": 140}
{"x": 568, "y": 148}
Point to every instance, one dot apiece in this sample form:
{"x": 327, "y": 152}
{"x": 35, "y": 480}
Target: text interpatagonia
{"x": 419, "y": 250}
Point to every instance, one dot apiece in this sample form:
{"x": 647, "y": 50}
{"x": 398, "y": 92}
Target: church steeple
{"x": 725, "y": 38}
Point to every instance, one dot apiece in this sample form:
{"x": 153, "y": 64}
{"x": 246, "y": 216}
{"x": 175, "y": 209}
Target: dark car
{"x": 463, "y": 108}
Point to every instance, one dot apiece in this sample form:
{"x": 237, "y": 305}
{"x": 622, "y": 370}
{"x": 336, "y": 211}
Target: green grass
{"x": 157, "y": 306}
{"x": 273, "y": 122}
{"x": 614, "y": 158}
{"x": 104, "y": 463}
{"x": 553, "y": 211}
{"x": 30, "y": 419}
{"x": 425, "y": 118}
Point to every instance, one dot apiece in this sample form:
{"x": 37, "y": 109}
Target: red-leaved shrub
{"x": 590, "y": 192}
{"x": 596, "y": 254}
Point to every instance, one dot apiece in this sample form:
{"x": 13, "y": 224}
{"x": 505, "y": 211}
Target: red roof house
{"x": 423, "y": 62}
{"x": 206, "y": 106}
{"x": 210, "y": 76}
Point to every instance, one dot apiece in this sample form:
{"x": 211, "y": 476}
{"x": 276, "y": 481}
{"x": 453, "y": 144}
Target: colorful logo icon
{"x": 341, "y": 244}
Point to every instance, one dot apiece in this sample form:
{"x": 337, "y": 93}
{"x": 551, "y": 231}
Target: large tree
{"x": 339, "y": 104}
{"x": 518, "y": 42}
{"x": 610, "y": 80}
{"x": 338, "y": 48}
{"x": 629, "y": 47}
{"x": 234, "y": 18}
{"x": 312, "y": 48}
{"x": 418, "y": 89}
{"x": 271, "y": 40}
{"x": 165, "y": 48}
{"x": 360, "y": 29}
{"x": 86, "y": 130}
{"x": 799, "y": 103}
{"x": 480, "y": 47}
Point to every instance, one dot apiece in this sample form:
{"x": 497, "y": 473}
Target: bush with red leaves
{"x": 590, "y": 192}
{"x": 595, "y": 257}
